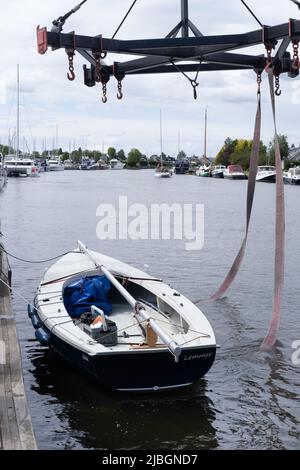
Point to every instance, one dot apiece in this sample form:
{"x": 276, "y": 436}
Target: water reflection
{"x": 100, "y": 419}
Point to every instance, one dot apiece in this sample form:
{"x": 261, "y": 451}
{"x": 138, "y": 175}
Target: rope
{"x": 270, "y": 339}
{"x": 250, "y": 197}
{"x": 193, "y": 82}
{"x": 17, "y": 293}
{"x": 124, "y": 19}
{"x": 34, "y": 262}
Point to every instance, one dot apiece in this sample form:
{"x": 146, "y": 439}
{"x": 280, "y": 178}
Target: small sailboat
{"x": 19, "y": 165}
{"x": 130, "y": 331}
{"x": 204, "y": 170}
{"x": 161, "y": 171}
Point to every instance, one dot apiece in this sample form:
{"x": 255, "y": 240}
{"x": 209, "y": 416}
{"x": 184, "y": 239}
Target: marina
{"x": 145, "y": 314}
{"x": 220, "y": 411}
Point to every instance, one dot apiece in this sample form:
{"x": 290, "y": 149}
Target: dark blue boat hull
{"x": 141, "y": 369}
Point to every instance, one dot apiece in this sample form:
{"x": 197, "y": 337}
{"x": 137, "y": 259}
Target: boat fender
{"x": 42, "y": 336}
{"x": 36, "y": 323}
{"x": 30, "y": 310}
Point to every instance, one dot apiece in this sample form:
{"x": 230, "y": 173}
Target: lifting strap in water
{"x": 271, "y": 337}
{"x": 250, "y": 196}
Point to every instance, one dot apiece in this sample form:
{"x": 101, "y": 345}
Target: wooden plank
{"x": 16, "y": 431}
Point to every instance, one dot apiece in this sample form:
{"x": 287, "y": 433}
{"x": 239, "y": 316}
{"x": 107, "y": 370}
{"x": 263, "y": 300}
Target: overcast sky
{"x": 52, "y": 106}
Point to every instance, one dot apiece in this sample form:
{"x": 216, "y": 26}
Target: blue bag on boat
{"x": 81, "y": 294}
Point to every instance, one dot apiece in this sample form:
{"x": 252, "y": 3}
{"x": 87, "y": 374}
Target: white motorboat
{"x": 21, "y": 166}
{"x": 130, "y": 331}
{"x": 116, "y": 164}
{"x": 266, "y": 174}
{"x": 292, "y": 176}
{"x": 218, "y": 171}
{"x": 235, "y": 172}
{"x": 55, "y": 164}
{"x": 3, "y": 172}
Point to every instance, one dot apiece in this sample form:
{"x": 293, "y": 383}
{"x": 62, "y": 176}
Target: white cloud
{"x": 55, "y": 105}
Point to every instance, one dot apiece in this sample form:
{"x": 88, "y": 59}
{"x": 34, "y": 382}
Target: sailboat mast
{"x": 161, "y": 138}
{"x": 18, "y": 112}
{"x": 205, "y": 137}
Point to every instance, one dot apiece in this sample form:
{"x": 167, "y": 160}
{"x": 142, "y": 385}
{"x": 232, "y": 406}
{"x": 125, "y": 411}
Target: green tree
{"x": 134, "y": 158}
{"x": 111, "y": 152}
{"x": 121, "y": 155}
{"x": 284, "y": 149}
{"x": 36, "y": 154}
{"x": 181, "y": 155}
{"x": 96, "y": 155}
{"x": 224, "y": 155}
{"x": 65, "y": 156}
{"x": 241, "y": 153}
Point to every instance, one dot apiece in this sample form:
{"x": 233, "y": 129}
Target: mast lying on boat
{"x": 138, "y": 309}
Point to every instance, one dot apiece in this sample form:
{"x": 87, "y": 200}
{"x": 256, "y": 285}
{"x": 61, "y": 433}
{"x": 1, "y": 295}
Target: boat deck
{"x": 16, "y": 431}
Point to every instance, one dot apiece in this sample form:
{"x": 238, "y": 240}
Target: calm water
{"x": 249, "y": 400}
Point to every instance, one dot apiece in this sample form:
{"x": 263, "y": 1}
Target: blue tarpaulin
{"x": 81, "y": 294}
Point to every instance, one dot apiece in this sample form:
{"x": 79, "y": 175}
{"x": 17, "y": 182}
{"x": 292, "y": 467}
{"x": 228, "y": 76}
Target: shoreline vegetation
{"x": 233, "y": 152}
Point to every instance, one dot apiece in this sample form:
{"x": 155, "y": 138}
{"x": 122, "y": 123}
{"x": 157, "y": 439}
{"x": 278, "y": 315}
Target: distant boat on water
{"x": 218, "y": 171}
{"x": 55, "y": 164}
{"x": 18, "y": 165}
{"x": 182, "y": 167}
{"x": 161, "y": 171}
{"x": 292, "y": 176}
{"x": 21, "y": 166}
{"x": 234, "y": 172}
{"x": 266, "y": 174}
{"x": 205, "y": 169}
{"x": 115, "y": 164}
{"x": 3, "y": 172}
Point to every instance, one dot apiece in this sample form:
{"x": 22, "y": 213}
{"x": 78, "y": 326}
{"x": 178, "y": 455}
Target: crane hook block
{"x": 42, "y": 40}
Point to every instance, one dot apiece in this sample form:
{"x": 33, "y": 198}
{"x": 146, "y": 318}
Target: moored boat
{"x": 3, "y": 173}
{"x": 234, "y": 172}
{"x": 21, "y": 167}
{"x": 55, "y": 164}
{"x": 162, "y": 172}
{"x": 266, "y": 174}
{"x": 115, "y": 164}
{"x": 218, "y": 171}
{"x": 204, "y": 171}
{"x": 130, "y": 331}
{"x": 182, "y": 167}
{"x": 292, "y": 176}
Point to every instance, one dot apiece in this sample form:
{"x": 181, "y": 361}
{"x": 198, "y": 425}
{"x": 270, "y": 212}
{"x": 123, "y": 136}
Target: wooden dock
{"x": 16, "y": 432}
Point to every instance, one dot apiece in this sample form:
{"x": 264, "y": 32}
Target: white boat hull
{"x": 166, "y": 174}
